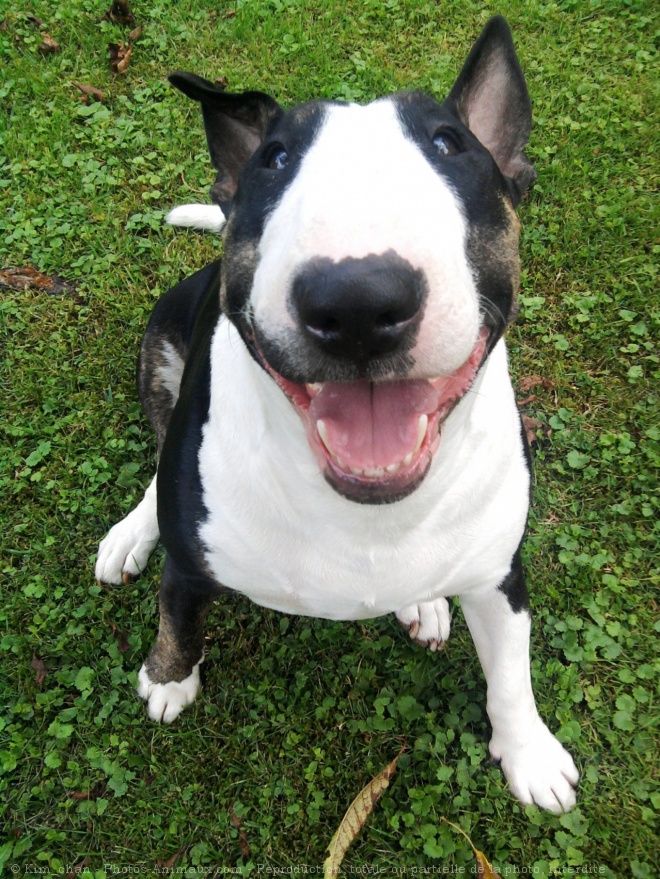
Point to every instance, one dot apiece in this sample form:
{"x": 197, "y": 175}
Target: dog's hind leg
{"x": 169, "y": 679}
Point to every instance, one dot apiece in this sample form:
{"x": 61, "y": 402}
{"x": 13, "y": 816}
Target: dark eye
{"x": 278, "y": 158}
{"x": 445, "y": 144}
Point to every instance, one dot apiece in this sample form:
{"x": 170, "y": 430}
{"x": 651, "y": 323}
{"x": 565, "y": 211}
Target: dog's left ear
{"x": 491, "y": 98}
{"x": 235, "y": 126}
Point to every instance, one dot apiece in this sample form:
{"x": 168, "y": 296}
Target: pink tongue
{"x": 373, "y": 425}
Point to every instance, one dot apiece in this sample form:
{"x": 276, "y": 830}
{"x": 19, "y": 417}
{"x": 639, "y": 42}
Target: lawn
{"x": 297, "y": 715}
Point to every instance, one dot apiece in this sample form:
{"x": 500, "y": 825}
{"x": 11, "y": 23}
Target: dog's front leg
{"x": 539, "y": 770}
{"x": 169, "y": 679}
{"x": 126, "y": 548}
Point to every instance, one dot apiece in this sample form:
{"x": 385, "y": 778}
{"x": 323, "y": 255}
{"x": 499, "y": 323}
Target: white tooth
{"x": 421, "y": 431}
{"x": 339, "y": 461}
{"x": 376, "y": 473}
{"x": 356, "y": 471}
{"x": 314, "y": 388}
{"x": 392, "y": 468}
{"x": 407, "y": 461}
{"x": 323, "y": 433}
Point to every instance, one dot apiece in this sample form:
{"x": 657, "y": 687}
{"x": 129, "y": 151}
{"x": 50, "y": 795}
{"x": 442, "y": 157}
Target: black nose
{"x": 358, "y": 308}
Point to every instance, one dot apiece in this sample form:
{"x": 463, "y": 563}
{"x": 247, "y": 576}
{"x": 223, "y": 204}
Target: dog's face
{"x": 371, "y": 255}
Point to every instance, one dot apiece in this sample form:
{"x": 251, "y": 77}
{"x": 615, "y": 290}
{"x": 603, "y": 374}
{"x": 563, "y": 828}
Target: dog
{"x": 337, "y": 430}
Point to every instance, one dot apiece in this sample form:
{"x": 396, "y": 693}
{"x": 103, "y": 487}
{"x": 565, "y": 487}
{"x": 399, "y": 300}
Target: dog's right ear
{"x": 235, "y": 126}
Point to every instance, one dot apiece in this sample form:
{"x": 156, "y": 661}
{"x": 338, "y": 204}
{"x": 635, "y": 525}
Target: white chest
{"x": 277, "y": 533}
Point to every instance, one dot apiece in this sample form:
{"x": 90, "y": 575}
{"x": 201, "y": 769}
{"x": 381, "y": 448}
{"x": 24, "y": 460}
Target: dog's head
{"x": 371, "y": 255}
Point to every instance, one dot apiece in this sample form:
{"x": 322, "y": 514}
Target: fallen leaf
{"x": 4, "y": 24}
{"x": 531, "y": 426}
{"x": 534, "y": 381}
{"x": 171, "y": 861}
{"x": 136, "y": 33}
{"x": 221, "y": 82}
{"x": 78, "y": 868}
{"x": 484, "y": 868}
{"x": 120, "y": 55}
{"x": 90, "y": 92}
{"x": 48, "y": 46}
{"x": 37, "y": 22}
{"x": 242, "y": 836}
{"x": 27, "y": 278}
{"x": 356, "y": 816}
{"x": 92, "y": 794}
{"x": 40, "y": 667}
{"x": 120, "y": 637}
{"x": 120, "y": 13}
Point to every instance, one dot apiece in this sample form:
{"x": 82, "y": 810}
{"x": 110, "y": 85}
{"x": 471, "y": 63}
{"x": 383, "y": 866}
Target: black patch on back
{"x": 180, "y": 500}
{"x": 172, "y": 321}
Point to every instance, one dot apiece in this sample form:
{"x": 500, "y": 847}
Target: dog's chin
{"x": 375, "y": 441}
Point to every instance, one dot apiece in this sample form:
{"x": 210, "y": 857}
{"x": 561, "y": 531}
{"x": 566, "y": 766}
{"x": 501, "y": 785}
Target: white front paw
{"x": 126, "y": 548}
{"x": 540, "y": 771}
{"x": 166, "y": 701}
{"x": 428, "y": 623}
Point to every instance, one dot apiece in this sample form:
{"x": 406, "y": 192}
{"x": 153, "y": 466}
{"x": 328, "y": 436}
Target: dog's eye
{"x": 445, "y": 144}
{"x": 278, "y": 158}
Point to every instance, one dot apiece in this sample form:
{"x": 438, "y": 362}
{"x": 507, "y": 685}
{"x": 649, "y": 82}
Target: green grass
{"x": 288, "y": 729}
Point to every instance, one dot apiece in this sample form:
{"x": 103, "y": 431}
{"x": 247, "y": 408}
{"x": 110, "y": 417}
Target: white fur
{"x": 537, "y": 767}
{"x": 172, "y": 371}
{"x": 428, "y": 623}
{"x": 197, "y": 216}
{"x": 166, "y": 701}
{"x": 277, "y": 533}
{"x": 365, "y": 188}
{"x": 127, "y": 546}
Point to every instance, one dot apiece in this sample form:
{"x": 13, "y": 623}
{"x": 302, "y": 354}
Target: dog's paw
{"x": 428, "y": 623}
{"x": 125, "y": 550}
{"x": 166, "y": 701}
{"x": 541, "y": 771}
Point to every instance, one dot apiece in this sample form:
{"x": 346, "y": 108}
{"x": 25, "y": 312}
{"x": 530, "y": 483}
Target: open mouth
{"x": 374, "y": 441}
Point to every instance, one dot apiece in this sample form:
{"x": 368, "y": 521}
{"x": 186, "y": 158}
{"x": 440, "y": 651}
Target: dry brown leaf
{"x": 48, "y": 46}
{"x": 221, "y": 82}
{"x": 120, "y": 13}
{"x": 37, "y": 22}
{"x": 120, "y": 637}
{"x": 78, "y": 868}
{"x": 26, "y": 277}
{"x": 356, "y": 816}
{"x": 484, "y": 868}
{"x": 170, "y": 862}
{"x": 120, "y": 56}
{"x": 92, "y": 794}
{"x": 242, "y": 836}
{"x": 4, "y": 24}
{"x": 531, "y": 426}
{"x": 90, "y": 92}
{"x": 40, "y": 667}
{"x": 534, "y": 381}
{"x": 136, "y": 33}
